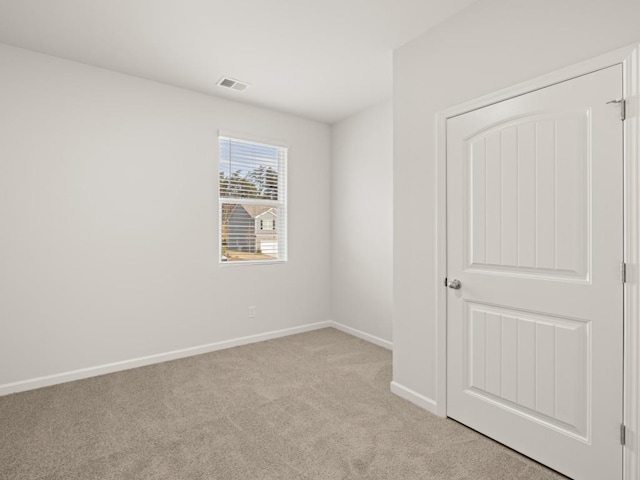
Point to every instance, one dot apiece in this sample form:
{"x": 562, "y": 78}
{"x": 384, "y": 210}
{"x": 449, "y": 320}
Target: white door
{"x": 535, "y": 237}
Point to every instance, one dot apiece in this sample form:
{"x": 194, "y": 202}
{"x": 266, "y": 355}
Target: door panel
{"x": 530, "y": 195}
{"x": 535, "y": 232}
{"x": 514, "y": 360}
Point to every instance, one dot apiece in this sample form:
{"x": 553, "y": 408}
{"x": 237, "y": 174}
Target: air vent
{"x": 232, "y": 84}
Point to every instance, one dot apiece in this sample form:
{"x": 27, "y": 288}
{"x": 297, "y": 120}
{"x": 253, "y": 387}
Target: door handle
{"x": 455, "y": 284}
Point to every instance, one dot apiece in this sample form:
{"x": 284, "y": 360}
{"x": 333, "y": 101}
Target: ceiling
{"x": 320, "y": 59}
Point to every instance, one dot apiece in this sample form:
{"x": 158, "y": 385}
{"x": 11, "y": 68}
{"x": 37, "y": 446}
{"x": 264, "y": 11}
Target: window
{"x": 267, "y": 224}
{"x": 252, "y": 196}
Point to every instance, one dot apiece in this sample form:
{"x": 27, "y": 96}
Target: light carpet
{"x": 311, "y": 406}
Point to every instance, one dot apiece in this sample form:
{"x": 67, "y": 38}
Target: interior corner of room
{"x": 110, "y": 206}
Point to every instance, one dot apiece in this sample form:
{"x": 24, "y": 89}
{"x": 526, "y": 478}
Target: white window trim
{"x": 283, "y": 188}
{"x": 245, "y": 137}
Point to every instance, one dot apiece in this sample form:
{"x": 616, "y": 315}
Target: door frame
{"x": 629, "y": 58}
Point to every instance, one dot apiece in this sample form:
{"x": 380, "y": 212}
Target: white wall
{"x": 489, "y": 46}
{"x": 108, "y": 220}
{"x": 362, "y": 221}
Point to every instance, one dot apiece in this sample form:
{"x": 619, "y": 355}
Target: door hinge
{"x": 623, "y": 108}
{"x": 623, "y": 435}
{"x": 623, "y": 272}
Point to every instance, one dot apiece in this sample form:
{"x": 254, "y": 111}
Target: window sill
{"x": 250, "y": 262}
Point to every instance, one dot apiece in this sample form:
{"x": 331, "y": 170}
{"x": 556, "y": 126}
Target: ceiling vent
{"x": 232, "y": 84}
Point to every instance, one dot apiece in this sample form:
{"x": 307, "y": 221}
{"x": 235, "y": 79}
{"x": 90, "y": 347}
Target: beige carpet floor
{"x": 310, "y": 406}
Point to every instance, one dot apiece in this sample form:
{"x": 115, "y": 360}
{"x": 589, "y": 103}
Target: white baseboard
{"x": 414, "y": 397}
{"x": 362, "y": 335}
{"x": 64, "y": 377}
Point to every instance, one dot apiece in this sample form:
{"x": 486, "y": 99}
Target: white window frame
{"x": 281, "y": 224}
{"x": 270, "y": 223}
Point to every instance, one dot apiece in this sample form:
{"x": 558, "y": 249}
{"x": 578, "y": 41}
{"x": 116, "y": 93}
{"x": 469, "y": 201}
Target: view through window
{"x": 252, "y": 189}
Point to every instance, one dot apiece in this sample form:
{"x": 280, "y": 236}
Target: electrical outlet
{"x": 252, "y": 312}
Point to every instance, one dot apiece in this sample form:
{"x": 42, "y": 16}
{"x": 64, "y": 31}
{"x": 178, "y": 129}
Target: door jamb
{"x": 629, "y": 57}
